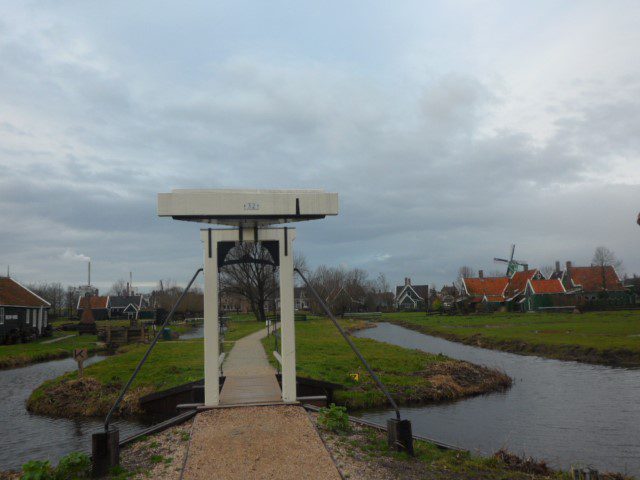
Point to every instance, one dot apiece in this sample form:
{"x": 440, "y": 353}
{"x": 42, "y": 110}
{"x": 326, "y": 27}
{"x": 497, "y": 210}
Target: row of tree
{"x": 62, "y": 300}
{"x": 251, "y": 273}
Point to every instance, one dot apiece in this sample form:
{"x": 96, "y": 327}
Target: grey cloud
{"x": 422, "y": 190}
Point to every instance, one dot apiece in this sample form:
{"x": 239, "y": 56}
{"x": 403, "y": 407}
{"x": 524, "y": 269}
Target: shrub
{"x": 74, "y": 466}
{"x": 437, "y": 305}
{"x": 334, "y": 418}
{"x": 37, "y": 470}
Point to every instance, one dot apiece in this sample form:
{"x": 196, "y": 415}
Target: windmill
{"x": 512, "y": 265}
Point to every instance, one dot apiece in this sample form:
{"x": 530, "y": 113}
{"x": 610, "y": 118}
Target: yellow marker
{"x": 355, "y": 376}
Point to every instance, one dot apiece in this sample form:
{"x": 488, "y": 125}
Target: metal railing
{"x": 115, "y": 406}
{"x": 375, "y": 377}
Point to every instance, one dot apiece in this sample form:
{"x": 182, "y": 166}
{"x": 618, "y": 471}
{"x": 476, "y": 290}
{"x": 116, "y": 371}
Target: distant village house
{"x": 23, "y": 314}
{"x": 411, "y": 297}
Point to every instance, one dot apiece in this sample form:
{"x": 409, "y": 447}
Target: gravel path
{"x": 276, "y": 442}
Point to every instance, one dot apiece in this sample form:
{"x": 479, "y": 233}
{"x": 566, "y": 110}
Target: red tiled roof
{"x": 495, "y": 298}
{"x": 547, "y": 286}
{"x": 14, "y": 294}
{"x": 590, "y": 278}
{"x": 94, "y": 302}
{"x": 486, "y": 286}
{"x": 519, "y": 280}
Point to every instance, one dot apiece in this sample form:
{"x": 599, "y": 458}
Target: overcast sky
{"x": 449, "y": 129}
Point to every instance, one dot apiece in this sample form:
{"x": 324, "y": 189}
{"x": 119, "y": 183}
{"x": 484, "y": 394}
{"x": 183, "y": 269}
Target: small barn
{"x": 485, "y": 292}
{"x": 99, "y": 306}
{"x": 595, "y": 286}
{"x": 125, "y": 306}
{"x": 543, "y": 294}
{"x": 23, "y": 314}
{"x": 411, "y": 297}
{"x": 518, "y": 283}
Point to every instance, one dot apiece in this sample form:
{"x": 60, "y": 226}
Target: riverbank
{"x": 21, "y": 354}
{"x": 604, "y": 338}
{"x": 171, "y": 363}
{"x": 410, "y": 375}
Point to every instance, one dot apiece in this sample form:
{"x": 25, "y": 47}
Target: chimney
{"x": 526, "y": 266}
{"x": 89, "y": 273}
{"x": 481, "y": 273}
{"x": 558, "y": 266}
{"x": 568, "y": 265}
{"x": 407, "y": 281}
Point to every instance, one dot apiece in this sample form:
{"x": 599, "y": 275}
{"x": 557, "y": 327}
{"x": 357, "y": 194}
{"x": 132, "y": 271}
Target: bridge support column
{"x": 211, "y": 327}
{"x": 287, "y": 316}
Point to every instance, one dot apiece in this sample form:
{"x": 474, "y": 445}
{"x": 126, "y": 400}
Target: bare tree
{"x": 300, "y": 262}
{"x": 603, "y": 258}
{"x": 464, "y": 272}
{"x": 382, "y": 293}
{"x": 547, "y": 270}
{"x": 52, "y": 293}
{"x": 71, "y": 300}
{"x": 118, "y": 287}
{"x": 252, "y": 275}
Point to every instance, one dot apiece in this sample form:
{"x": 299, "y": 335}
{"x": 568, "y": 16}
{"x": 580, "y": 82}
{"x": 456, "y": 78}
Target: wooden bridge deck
{"x": 249, "y": 377}
{"x": 250, "y": 389}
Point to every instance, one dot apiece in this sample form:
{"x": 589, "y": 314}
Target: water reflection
{"x": 26, "y": 436}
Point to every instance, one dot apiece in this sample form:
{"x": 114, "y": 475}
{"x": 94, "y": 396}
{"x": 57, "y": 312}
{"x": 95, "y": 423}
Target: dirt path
{"x": 276, "y": 442}
{"x": 55, "y": 340}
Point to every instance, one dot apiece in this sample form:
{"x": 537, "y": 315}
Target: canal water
{"x": 197, "y": 332}
{"x": 26, "y": 436}
{"x": 563, "y": 412}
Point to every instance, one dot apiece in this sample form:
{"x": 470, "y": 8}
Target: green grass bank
{"x": 412, "y": 376}
{"x": 21, "y": 354}
{"x": 606, "y": 338}
{"x": 171, "y": 363}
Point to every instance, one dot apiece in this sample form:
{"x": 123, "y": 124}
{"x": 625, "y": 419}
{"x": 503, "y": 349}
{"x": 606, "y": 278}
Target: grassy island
{"x": 412, "y": 376}
{"x": 170, "y": 364}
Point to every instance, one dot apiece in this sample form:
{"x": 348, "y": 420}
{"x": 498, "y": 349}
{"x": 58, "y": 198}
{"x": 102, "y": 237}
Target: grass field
{"x": 611, "y": 338}
{"x": 25, "y": 353}
{"x": 411, "y": 375}
{"x": 171, "y": 363}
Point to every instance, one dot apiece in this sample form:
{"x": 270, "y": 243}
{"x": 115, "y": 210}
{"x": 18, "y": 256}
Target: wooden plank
{"x": 177, "y": 420}
{"x": 250, "y": 389}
